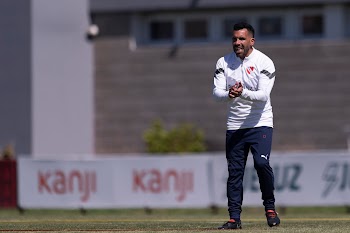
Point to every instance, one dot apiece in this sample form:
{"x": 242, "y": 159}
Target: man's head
{"x": 243, "y": 39}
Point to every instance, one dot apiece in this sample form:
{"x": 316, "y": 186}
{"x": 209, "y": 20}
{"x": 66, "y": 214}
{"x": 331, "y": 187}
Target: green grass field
{"x": 316, "y": 219}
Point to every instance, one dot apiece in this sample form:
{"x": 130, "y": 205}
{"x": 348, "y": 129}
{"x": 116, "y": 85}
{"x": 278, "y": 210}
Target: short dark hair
{"x": 244, "y": 25}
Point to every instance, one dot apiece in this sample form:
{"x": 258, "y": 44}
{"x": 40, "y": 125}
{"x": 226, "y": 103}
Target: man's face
{"x": 242, "y": 43}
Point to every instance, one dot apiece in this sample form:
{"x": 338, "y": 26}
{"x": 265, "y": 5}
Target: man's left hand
{"x": 236, "y": 90}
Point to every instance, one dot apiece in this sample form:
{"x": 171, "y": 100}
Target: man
{"x": 244, "y": 79}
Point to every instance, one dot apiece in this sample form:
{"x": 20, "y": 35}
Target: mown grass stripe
{"x": 162, "y": 220}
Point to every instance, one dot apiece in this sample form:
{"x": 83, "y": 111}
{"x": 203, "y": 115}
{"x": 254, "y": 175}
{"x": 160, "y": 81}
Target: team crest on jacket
{"x": 250, "y": 69}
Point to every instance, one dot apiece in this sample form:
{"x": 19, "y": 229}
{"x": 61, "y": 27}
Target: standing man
{"x": 244, "y": 79}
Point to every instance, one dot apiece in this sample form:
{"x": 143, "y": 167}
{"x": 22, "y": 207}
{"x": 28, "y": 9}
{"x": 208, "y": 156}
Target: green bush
{"x": 183, "y": 138}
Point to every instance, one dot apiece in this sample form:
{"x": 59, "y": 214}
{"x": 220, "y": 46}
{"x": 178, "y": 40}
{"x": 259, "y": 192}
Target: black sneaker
{"x": 231, "y": 225}
{"x": 272, "y": 218}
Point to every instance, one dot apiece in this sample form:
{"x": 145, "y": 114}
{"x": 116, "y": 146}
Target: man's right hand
{"x": 235, "y": 90}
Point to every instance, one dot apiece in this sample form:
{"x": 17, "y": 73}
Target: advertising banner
{"x": 64, "y": 184}
{"x": 159, "y": 181}
{"x": 300, "y": 179}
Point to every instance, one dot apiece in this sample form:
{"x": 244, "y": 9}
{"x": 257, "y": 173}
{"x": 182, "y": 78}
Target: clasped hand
{"x": 235, "y": 90}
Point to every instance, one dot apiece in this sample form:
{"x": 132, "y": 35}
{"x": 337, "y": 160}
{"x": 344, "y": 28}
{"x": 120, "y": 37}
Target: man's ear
{"x": 252, "y": 41}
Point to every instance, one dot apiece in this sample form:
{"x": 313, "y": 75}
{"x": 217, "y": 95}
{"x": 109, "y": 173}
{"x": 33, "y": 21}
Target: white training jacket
{"x": 257, "y": 74}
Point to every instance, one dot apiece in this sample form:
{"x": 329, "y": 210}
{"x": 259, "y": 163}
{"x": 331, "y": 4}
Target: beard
{"x": 241, "y": 51}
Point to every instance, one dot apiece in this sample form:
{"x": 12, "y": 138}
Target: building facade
{"x": 63, "y": 94}
{"x": 155, "y": 60}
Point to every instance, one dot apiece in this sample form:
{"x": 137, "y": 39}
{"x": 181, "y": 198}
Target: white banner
{"x": 159, "y": 181}
{"x": 64, "y": 184}
{"x": 179, "y": 181}
{"x": 319, "y": 179}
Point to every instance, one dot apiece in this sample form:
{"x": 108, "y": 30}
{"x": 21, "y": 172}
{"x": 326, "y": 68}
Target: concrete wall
{"x": 133, "y": 88}
{"x": 46, "y": 79}
{"x": 62, "y": 78}
{"x": 15, "y": 75}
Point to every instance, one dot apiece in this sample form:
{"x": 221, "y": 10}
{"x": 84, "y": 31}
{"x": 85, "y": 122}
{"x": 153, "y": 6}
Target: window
{"x": 196, "y": 29}
{"x": 270, "y": 26}
{"x": 161, "y": 30}
{"x": 228, "y": 26}
{"x": 111, "y": 24}
{"x": 312, "y": 25}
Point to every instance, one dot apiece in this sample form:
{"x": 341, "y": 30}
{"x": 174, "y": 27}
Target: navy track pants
{"x": 238, "y": 144}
